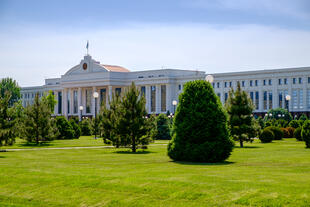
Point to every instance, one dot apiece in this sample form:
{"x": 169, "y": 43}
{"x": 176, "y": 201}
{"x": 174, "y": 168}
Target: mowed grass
{"x": 83, "y": 141}
{"x": 274, "y": 174}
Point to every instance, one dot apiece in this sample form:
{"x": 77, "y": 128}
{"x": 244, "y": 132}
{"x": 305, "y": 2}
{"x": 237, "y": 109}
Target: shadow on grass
{"x": 130, "y": 152}
{"x": 203, "y": 163}
{"x": 2, "y": 157}
{"x": 245, "y": 147}
{"x": 33, "y": 144}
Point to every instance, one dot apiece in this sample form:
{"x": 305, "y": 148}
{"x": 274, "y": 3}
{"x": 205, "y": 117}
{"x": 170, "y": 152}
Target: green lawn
{"x": 83, "y": 141}
{"x": 274, "y": 174}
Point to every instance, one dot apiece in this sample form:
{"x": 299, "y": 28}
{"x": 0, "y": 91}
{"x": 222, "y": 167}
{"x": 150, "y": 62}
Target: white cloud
{"x": 31, "y": 58}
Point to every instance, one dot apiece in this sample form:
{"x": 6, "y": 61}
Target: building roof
{"x": 115, "y": 68}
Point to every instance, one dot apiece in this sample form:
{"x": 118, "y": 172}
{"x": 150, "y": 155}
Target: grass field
{"x": 274, "y": 174}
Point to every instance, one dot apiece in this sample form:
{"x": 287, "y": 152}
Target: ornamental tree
{"x": 240, "y": 109}
{"x": 8, "y": 85}
{"x": 200, "y": 131}
{"x": 161, "y": 129}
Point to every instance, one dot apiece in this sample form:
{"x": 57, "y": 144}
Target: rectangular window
{"x": 103, "y": 97}
{"x": 251, "y": 83}
{"x": 243, "y": 83}
{"x": 265, "y": 100}
{"x": 280, "y": 99}
{"x": 75, "y": 102}
{"x": 218, "y": 84}
{"x": 226, "y": 96}
{"x": 285, "y": 81}
{"x": 88, "y": 97}
{"x": 301, "y": 105}
{"x": 59, "y": 102}
{"x": 270, "y": 82}
{"x": 294, "y": 80}
{"x": 264, "y": 82}
{"x": 308, "y": 98}
{"x": 308, "y": 79}
{"x": 153, "y": 98}
{"x": 252, "y": 96}
{"x": 143, "y": 91}
{"x": 163, "y": 97}
{"x": 225, "y": 84}
{"x": 270, "y": 100}
{"x": 295, "y": 99}
{"x": 180, "y": 87}
{"x": 280, "y": 81}
{"x": 300, "y": 80}
{"x": 219, "y": 95}
{"x": 118, "y": 91}
{"x": 68, "y": 101}
{"x": 230, "y": 84}
{"x": 257, "y": 100}
{"x": 212, "y": 85}
{"x": 256, "y": 82}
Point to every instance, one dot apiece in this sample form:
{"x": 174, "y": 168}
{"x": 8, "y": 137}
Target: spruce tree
{"x": 7, "y": 121}
{"x": 240, "y": 115}
{"x": 200, "y": 131}
{"x": 37, "y": 126}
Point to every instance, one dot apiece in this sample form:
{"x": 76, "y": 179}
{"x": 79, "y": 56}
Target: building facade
{"x": 267, "y": 88}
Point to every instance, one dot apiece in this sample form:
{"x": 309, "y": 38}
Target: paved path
{"x": 62, "y": 148}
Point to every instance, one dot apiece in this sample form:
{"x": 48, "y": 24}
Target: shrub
{"x": 266, "y": 136}
{"x": 200, "y": 126}
{"x": 64, "y": 128}
{"x": 85, "y": 127}
{"x": 297, "y": 134}
{"x": 295, "y": 124}
{"x": 290, "y": 132}
{"x": 305, "y": 133}
{"x": 76, "y": 128}
{"x": 285, "y": 132}
{"x": 161, "y": 129}
{"x": 278, "y": 133}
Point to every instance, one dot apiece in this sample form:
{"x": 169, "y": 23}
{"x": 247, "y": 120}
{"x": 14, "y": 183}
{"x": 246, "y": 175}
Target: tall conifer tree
{"x": 240, "y": 119}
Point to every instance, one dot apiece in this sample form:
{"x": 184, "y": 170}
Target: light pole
{"x": 174, "y": 103}
{"x": 81, "y": 110}
{"x": 95, "y": 95}
{"x": 288, "y": 98}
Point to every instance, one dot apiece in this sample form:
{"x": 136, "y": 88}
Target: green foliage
{"x": 37, "y": 121}
{"x": 297, "y": 134}
{"x": 303, "y": 117}
{"x": 305, "y": 133}
{"x": 261, "y": 122}
{"x": 51, "y": 101}
{"x": 125, "y": 122}
{"x": 76, "y": 128}
{"x": 161, "y": 128}
{"x": 266, "y": 136}
{"x": 8, "y": 121}
{"x": 85, "y": 126}
{"x": 200, "y": 126}
{"x": 278, "y": 133}
{"x": 288, "y": 132}
{"x": 240, "y": 115}
{"x": 8, "y": 85}
{"x": 64, "y": 127}
{"x": 295, "y": 124}
{"x": 277, "y": 113}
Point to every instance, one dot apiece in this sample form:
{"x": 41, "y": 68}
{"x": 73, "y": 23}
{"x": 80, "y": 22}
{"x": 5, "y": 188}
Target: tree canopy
{"x": 11, "y": 86}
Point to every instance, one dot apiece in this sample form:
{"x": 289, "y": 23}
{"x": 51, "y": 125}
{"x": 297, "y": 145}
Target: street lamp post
{"x": 174, "y": 103}
{"x": 95, "y": 95}
{"x": 81, "y": 110}
{"x": 288, "y": 98}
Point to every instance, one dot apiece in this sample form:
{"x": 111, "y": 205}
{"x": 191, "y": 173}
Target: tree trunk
{"x": 241, "y": 143}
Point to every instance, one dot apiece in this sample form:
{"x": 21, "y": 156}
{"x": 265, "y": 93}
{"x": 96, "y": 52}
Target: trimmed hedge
{"x": 288, "y": 132}
{"x": 297, "y": 134}
{"x": 266, "y": 136}
{"x": 278, "y": 133}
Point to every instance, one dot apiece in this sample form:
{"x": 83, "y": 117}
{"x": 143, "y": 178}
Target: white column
{"x": 93, "y": 101}
{"x": 56, "y": 105}
{"x": 304, "y": 89}
{"x": 110, "y": 92}
{"x": 158, "y": 99}
{"x": 148, "y": 99}
{"x": 168, "y": 97}
{"x": 71, "y": 101}
{"x": 65, "y": 102}
{"x": 261, "y": 99}
{"x": 79, "y": 102}
{"x": 222, "y": 93}
{"x": 275, "y": 96}
{"x": 290, "y": 105}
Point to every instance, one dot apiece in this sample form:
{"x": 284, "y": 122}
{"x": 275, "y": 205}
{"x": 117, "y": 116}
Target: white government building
{"x": 267, "y": 88}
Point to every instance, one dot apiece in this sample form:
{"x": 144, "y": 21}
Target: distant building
{"x": 267, "y": 88}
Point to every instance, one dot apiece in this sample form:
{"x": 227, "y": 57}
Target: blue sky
{"x": 42, "y": 39}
